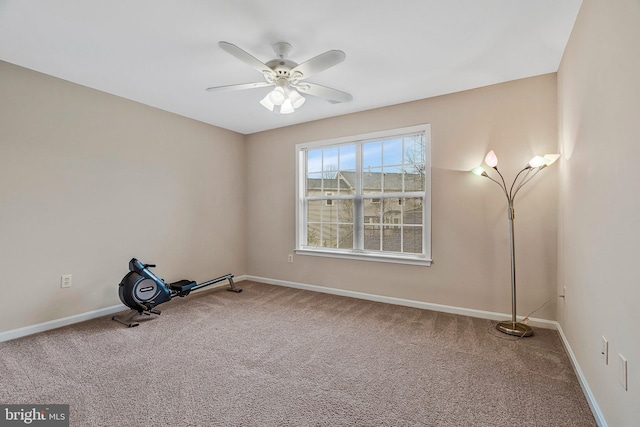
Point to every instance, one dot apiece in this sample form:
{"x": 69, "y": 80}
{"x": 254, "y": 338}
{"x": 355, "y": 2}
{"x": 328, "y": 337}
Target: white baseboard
{"x": 65, "y": 321}
{"x": 542, "y": 323}
{"x": 591, "y": 400}
{"x": 58, "y": 323}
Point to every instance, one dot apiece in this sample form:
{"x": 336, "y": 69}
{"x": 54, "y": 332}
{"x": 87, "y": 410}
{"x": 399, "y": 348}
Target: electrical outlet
{"x": 604, "y": 350}
{"x": 290, "y": 258}
{"x": 65, "y": 281}
{"x": 622, "y": 371}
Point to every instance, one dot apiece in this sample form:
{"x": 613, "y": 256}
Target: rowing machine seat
{"x": 182, "y": 285}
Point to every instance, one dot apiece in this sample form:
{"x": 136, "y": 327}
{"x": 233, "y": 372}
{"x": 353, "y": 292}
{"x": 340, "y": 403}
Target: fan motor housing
{"x": 281, "y": 66}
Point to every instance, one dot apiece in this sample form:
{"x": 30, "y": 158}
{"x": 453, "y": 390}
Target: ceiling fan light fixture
{"x": 287, "y": 107}
{"x": 296, "y": 99}
{"x": 277, "y": 96}
{"x": 266, "y": 102}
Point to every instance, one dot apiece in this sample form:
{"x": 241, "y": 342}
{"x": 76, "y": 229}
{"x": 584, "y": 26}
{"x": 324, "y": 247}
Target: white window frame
{"x": 403, "y": 258}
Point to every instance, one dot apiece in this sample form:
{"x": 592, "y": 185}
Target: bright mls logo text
{"x": 38, "y": 415}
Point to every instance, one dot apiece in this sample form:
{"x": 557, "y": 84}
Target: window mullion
{"x": 358, "y": 204}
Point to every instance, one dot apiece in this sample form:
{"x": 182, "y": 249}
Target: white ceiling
{"x": 165, "y": 53}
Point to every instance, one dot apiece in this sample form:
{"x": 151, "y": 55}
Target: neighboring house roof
{"x": 346, "y": 180}
{"x": 329, "y": 184}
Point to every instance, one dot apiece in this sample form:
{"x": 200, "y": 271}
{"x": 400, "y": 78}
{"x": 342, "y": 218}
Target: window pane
{"x": 314, "y": 161}
{"x": 372, "y": 181}
{"x": 392, "y": 238}
{"x": 330, "y": 162}
{"x": 390, "y": 211}
{"x": 414, "y": 149}
{"x": 392, "y": 179}
{"x": 345, "y": 211}
{"x": 392, "y": 152}
{"x": 372, "y": 211}
{"x": 347, "y": 158}
{"x": 346, "y": 189}
{"x": 330, "y": 183}
{"x": 371, "y": 155}
{"x": 313, "y": 234}
{"x": 329, "y": 211}
{"x": 345, "y": 236}
{"x": 329, "y": 235}
{"x": 414, "y": 178}
{"x": 347, "y": 182}
{"x": 372, "y": 237}
{"x": 314, "y": 184}
{"x": 412, "y": 240}
{"x": 412, "y": 211}
{"x": 314, "y": 210}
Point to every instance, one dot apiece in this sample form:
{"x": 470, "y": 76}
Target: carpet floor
{"x": 277, "y": 356}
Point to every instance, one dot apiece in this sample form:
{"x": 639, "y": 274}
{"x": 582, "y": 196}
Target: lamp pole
{"x": 514, "y": 327}
{"x": 534, "y": 166}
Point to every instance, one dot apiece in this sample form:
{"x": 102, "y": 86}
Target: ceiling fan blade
{"x": 319, "y": 63}
{"x": 238, "y": 87}
{"x": 245, "y": 57}
{"x": 334, "y": 96}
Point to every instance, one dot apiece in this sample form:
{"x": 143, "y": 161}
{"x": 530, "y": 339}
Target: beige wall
{"x": 470, "y": 228}
{"x": 599, "y": 232}
{"x": 89, "y": 180}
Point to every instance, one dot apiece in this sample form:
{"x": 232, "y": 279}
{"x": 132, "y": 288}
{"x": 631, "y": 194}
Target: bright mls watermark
{"x": 34, "y": 415}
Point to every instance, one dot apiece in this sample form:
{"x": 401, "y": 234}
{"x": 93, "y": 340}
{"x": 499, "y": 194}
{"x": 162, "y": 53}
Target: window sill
{"x": 382, "y": 257}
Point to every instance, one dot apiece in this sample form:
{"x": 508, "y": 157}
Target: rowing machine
{"x": 141, "y": 291}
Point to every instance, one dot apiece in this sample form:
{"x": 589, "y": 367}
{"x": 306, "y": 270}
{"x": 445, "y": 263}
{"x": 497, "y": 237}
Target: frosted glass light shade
{"x": 491, "y": 159}
{"x": 296, "y": 99}
{"x": 266, "y": 103}
{"x": 537, "y": 161}
{"x": 551, "y": 158}
{"x": 277, "y": 96}
{"x": 287, "y": 107}
{"x": 478, "y": 170}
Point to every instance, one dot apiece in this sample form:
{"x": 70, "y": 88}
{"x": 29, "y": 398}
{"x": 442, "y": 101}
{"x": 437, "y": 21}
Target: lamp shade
{"x": 277, "y": 96}
{"x": 296, "y": 99}
{"x": 551, "y": 158}
{"x": 287, "y": 107}
{"x": 537, "y": 161}
{"x": 478, "y": 170}
{"x": 266, "y": 103}
{"x": 491, "y": 159}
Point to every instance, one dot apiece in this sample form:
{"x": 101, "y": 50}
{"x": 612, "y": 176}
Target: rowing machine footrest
{"x": 182, "y": 285}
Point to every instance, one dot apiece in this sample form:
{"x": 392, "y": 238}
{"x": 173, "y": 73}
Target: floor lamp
{"x": 527, "y": 173}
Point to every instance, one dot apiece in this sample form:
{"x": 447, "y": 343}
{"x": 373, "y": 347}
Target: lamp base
{"x": 517, "y": 329}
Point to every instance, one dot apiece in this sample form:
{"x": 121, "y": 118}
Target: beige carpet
{"x": 275, "y": 356}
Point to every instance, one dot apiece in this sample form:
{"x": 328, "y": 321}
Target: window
{"x": 366, "y": 197}
{"x": 328, "y": 202}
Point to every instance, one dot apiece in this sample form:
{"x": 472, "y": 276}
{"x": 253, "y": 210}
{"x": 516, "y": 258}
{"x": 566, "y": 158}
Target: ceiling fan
{"x": 287, "y": 77}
